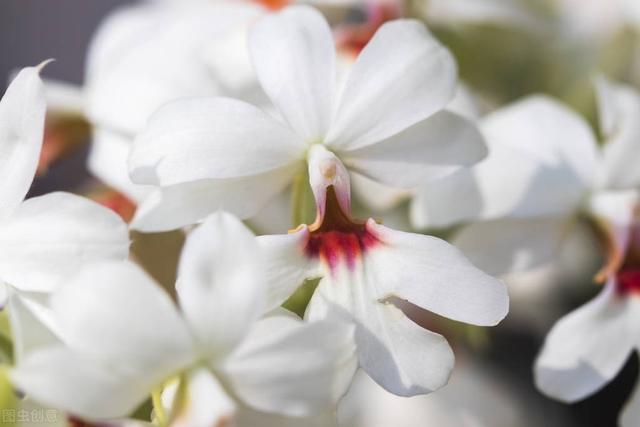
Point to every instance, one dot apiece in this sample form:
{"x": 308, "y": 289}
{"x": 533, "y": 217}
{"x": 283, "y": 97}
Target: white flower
{"x": 43, "y": 239}
{"x": 365, "y": 268}
{"x": 596, "y": 20}
{"x": 206, "y": 153}
{"x": 589, "y": 346}
{"x": 544, "y": 170}
{"x": 125, "y": 337}
{"x": 383, "y": 122}
{"x": 197, "y": 48}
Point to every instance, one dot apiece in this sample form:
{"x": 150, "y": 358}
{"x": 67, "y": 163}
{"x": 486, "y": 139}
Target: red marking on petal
{"x": 628, "y": 281}
{"x": 339, "y": 239}
{"x": 334, "y": 247}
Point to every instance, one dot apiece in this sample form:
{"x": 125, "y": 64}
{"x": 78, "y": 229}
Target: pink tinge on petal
{"x": 628, "y": 281}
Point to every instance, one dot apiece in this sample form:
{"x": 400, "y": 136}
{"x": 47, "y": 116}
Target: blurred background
{"x": 508, "y": 50}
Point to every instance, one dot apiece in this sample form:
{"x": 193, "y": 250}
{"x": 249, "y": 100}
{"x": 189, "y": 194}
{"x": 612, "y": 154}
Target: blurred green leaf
{"x": 298, "y": 302}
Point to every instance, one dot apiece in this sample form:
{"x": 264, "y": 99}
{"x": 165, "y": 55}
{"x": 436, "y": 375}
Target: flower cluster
{"x": 281, "y": 145}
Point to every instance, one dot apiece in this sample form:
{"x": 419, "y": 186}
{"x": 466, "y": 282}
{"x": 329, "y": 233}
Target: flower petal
{"x": 210, "y": 138}
{"x": 391, "y": 348}
{"x": 220, "y": 283}
{"x": 139, "y": 326}
{"x": 108, "y": 161}
{"x": 63, "y": 379}
{"x": 22, "y": 112}
{"x": 429, "y": 149}
{"x": 512, "y": 245}
{"x": 619, "y": 107}
{"x": 51, "y": 236}
{"x": 130, "y": 74}
{"x": 378, "y": 197}
{"x": 403, "y": 76}
{"x": 250, "y": 417}
{"x": 541, "y": 162}
{"x": 294, "y": 56}
{"x": 287, "y": 266}
{"x": 205, "y": 402}
{"x": 434, "y": 275}
{"x": 179, "y": 205}
{"x": 292, "y": 368}
{"x": 587, "y": 348}
{"x": 32, "y": 326}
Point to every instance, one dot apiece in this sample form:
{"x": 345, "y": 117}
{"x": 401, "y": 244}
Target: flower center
{"x": 336, "y": 238}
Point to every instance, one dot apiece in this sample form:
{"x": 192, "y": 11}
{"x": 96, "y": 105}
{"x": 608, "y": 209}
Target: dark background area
{"x": 34, "y": 30}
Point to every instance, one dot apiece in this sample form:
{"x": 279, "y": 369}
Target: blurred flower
{"x": 198, "y": 49}
{"x": 366, "y": 269}
{"x": 596, "y": 20}
{"x": 589, "y": 346}
{"x": 217, "y": 345}
{"x": 386, "y": 123}
{"x": 544, "y": 171}
{"x": 44, "y": 238}
{"x": 234, "y": 155}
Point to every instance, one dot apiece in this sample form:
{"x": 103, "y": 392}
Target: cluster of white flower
{"x": 228, "y": 121}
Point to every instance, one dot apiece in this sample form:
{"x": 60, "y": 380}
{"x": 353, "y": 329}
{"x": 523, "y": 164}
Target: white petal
{"x": 205, "y": 402}
{"x": 436, "y": 276}
{"x": 60, "y": 378}
{"x": 274, "y": 217}
{"x": 512, "y": 245}
{"x": 541, "y": 160}
{"x": 399, "y": 355}
{"x": 287, "y": 266}
{"x": 617, "y": 211}
{"x": 375, "y": 196}
{"x": 619, "y": 107}
{"x": 108, "y": 161}
{"x": 116, "y": 314}
{"x": 220, "y": 285}
{"x": 64, "y": 98}
{"x": 130, "y": 74}
{"x": 294, "y": 56}
{"x": 250, "y": 417}
{"x": 31, "y": 326}
{"x": 429, "y": 149}
{"x": 464, "y": 103}
{"x": 22, "y": 112}
{"x": 179, "y": 205}
{"x": 51, "y": 236}
{"x": 402, "y": 76}
{"x": 204, "y": 138}
{"x": 630, "y": 414}
{"x": 587, "y": 348}
{"x": 292, "y": 368}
